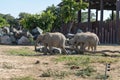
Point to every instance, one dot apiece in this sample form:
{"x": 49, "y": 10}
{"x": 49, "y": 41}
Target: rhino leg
{"x": 50, "y": 50}
{"x": 64, "y": 50}
{"x": 45, "y": 50}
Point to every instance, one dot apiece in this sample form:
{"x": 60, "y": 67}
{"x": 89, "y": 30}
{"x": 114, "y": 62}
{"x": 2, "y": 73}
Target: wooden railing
{"x": 106, "y": 33}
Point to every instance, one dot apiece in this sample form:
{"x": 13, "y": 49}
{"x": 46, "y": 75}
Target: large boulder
{"x": 6, "y": 30}
{"x": 79, "y": 31}
{"x": 1, "y": 32}
{"x": 13, "y": 30}
{"x": 37, "y": 31}
{"x": 5, "y": 40}
{"x": 23, "y": 41}
{"x": 27, "y": 34}
{"x": 54, "y": 50}
{"x": 13, "y": 39}
{"x": 70, "y": 35}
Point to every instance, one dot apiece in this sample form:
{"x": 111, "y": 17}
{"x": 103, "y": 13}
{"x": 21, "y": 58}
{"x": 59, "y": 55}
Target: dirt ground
{"x": 20, "y": 66}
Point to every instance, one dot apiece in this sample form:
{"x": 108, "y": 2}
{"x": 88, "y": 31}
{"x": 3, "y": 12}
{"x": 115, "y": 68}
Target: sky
{"x": 14, "y": 7}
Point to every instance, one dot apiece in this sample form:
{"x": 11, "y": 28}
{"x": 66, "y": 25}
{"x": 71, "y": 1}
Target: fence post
{"x": 107, "y": 68}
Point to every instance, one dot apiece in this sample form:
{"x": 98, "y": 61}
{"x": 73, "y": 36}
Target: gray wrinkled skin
{"x": 85, "y": 39}
{"x": 52, "y": 40}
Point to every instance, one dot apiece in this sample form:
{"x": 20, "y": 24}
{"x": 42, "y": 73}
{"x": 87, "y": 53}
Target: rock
{"x": 74, "y": 67}
{"x": 69, "y": 35}
{"x": 79, "y": 31}
{"x": 56, "y": 50}
{"x": 37, "y": 62}
{"x": 6, "y": 30}
{"x": 6, "y": 40}
{"x": 13, "y": 39}
{"x": 23, "y": 41}
{"x": 1, "y": 32}
{"x": 37, "y": 31}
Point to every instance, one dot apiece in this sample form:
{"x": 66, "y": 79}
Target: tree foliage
{"x": 3, "y": 22}
{"x": 84, "y": 16}
{"x": 10, "y": 19}
{"x": 69, "y": 9}
{"x": 23, "y": 15}
{"x": 53, "y": 17}
{"x": 43, "y": 20}
{"x": 48, "y": 20}
{"x": 57, "y": 20}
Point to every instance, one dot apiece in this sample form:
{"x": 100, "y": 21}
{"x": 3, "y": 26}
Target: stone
{"x": 5, "y": 40}
{"x": 23, "y": 41}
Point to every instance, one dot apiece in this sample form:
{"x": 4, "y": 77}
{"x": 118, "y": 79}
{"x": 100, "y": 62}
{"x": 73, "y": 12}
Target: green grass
{"x": 21, "y": 52}
{"x": 54, "y": 73}
{"x": 88, "y": 71}
{"x": 85, "y": 59}
{"x": 100, "y": 76}
{"x": 85, "y": 64}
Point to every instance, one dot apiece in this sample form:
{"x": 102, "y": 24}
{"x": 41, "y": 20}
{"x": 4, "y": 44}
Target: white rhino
{"x": 85, "y": 39}
{"x": 50, "y": 40}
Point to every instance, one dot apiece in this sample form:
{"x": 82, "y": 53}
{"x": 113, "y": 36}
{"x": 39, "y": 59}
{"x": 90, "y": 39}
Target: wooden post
{"x": 96, "y": 15}
{"x": 112, "y": 15}
{"x": 117, "y": 39}
{"x": 101, "y": 20}
{"x": 79, "y": 16}
{"x": 101, "y": 15}
{"x": 89, "y": 12}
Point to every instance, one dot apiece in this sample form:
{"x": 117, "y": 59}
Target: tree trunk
{"x": 70, "y": 25}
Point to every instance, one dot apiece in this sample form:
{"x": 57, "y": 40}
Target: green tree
{"x": 47, "y": 20}
{"x": 44, "y": 20}
{"x": 3, "y": 22}
{"x": 57, "y": 20}
{"x": 69, "y": 9}
{"x": 53, "y": 17}
{"x": 23, "y": 15}
{"x": 1, "y": 15}
{"x": 10, "y": 19}
{"x": 28, "y": 22}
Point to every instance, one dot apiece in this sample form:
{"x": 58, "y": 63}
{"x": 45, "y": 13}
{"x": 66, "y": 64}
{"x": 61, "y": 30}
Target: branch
{"x": 103, "y": 51}
{"x": 94, "y": 52}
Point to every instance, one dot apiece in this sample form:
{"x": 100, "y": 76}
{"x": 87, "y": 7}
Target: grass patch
{"x": 85, "y": 63}
{"x": 47, "y": 73}
{"x": 23, "y": 78}
{"x": 21, "y": 52}
{"x": 54, "y": 73}
{"x": 88, "y": 71}
{"x": 85, "y": 59}
{"x": 6, "y": 65}
{"x": 80, "y": 62}
{"x": 101, "y": 76}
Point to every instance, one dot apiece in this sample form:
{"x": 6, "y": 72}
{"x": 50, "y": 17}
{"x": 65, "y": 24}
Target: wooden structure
{"x": 108, "y": 32}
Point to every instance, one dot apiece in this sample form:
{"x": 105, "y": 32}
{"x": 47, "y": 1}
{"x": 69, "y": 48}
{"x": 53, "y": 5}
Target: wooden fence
{"x": 106, "y": 33}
